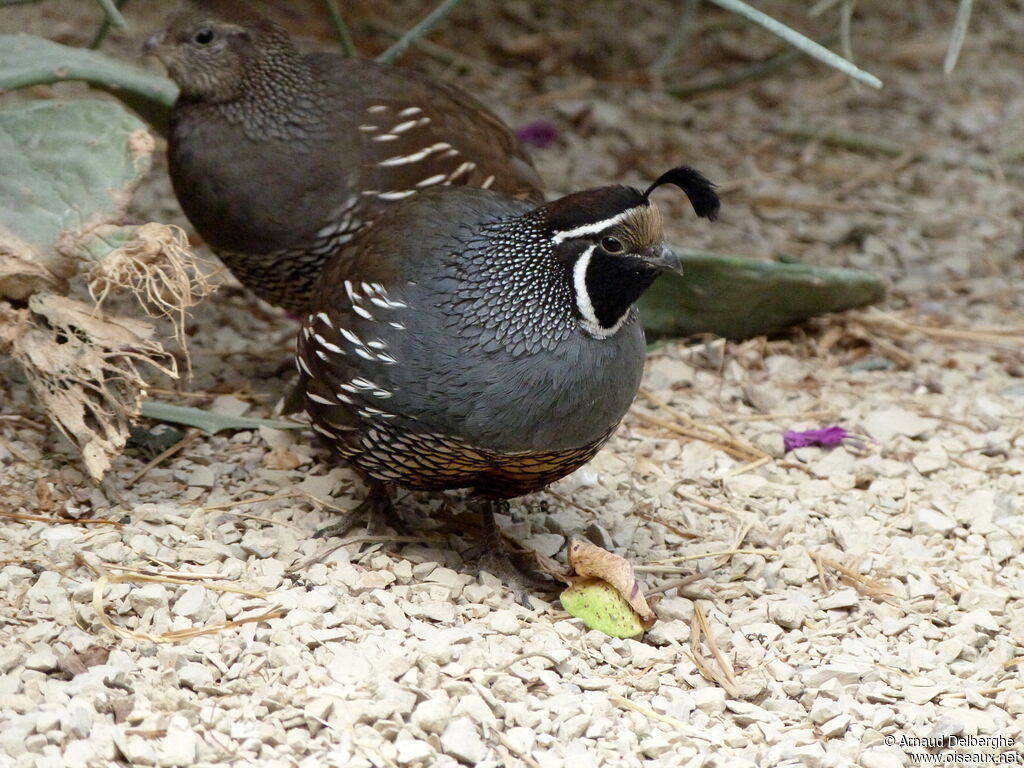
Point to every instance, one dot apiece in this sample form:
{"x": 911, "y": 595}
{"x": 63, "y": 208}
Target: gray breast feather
{"x": 496, "y": 399}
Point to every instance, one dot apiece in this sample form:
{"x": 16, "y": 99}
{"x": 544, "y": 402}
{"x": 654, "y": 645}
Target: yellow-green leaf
{"x": 601, "y": 607}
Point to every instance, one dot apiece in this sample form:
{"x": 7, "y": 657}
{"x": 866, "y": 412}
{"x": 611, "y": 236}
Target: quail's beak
{"x": 154, "y": 45}
{"x": 664, "y": 258}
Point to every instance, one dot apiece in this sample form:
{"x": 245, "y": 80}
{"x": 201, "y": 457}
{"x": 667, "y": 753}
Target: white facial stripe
{"x": 589, "y": 229}
{"x": 590, "y": 323}
{"x": 579, "y": 279}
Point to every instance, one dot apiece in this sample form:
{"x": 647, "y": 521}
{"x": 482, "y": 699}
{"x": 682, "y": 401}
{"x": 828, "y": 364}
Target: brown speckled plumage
{"x": 280, "y": 158}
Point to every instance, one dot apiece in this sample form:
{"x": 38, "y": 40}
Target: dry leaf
{"x": 589, "y": 560}
{"x": 21, "y": 274}
{"x": 84, "y": 369}
{"x": 83, "y": 366}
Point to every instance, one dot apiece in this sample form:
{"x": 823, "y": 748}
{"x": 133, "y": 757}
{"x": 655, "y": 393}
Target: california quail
{"x": 278, "y": 158}
{"x": 470, "y": 340}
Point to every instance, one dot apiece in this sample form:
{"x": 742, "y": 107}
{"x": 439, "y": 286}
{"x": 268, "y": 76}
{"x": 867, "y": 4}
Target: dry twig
{"x": 687, "y": 427}
{"x": 340, "y": 28}
{"x": 188, "y": 439}
{"x": 430, "y": 21}
{"x": 59, "y": 520}
{"x": 864, "y": 585}
{"x": 713, "y": 506}
{"x": 794, "y": 38}
{"x": 720, "y": 553}
{"x": 723, "y": 674}
{"x": 679, "y": 725}
{"x": 105, "y": 577}
{"x": 880, "y": 320}
{"x": 677, "y": 584}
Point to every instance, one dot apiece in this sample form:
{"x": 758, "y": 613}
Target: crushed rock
{"x": 399, "y": 653}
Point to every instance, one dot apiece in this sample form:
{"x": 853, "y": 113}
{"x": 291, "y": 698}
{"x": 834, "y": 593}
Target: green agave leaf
{"x": 601, "y": 607}
{"x": 107, "y": 240}
{"x": 65, "y": 163}
{"x": 207, "y": 420}
{"x": 27, "y": 60}
{"x": 68, "y": 167}
{"x": 738, "y": 297}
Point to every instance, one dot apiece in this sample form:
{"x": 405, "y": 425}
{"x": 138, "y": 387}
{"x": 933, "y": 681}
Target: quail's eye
{"x": 204, "y": 36}
{"x": 612, "y": 244}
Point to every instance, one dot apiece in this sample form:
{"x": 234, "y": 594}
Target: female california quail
{"x": 470, "y": 340}
{"x": 278, "y": 158}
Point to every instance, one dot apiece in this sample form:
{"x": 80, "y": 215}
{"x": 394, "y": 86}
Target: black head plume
{"x": 698, "y": 189}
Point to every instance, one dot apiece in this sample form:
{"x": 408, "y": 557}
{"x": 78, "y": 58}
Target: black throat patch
{"x": 613, "y": 284}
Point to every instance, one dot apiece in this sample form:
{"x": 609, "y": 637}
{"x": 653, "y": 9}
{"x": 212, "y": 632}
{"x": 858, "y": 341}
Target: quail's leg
{"x": 376, "y": 509}
{"x": 496, "y": 558}
{"x": 292, "y": 401}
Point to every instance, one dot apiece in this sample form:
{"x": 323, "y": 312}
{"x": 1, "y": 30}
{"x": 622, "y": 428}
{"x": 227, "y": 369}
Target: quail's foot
{"x": 376, "y": 509}
{"x": 496, "y": 559}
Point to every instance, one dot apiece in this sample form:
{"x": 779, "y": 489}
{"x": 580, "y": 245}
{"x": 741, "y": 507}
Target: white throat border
{"x": 589, "y": 322}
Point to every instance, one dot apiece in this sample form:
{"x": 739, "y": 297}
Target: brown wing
{"x": 416, "y": 132}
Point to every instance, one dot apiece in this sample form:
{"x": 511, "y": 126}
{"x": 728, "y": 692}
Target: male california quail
{"x": 278, "y": 158}
{"x": 473, "y": 341}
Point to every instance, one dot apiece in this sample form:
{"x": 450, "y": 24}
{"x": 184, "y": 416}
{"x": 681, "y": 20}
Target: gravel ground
{"x": 876, "y": 597}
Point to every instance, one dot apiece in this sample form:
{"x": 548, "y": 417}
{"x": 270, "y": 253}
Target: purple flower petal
{"x": 825, "y": 437}
{"x": 539, "y": 133}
